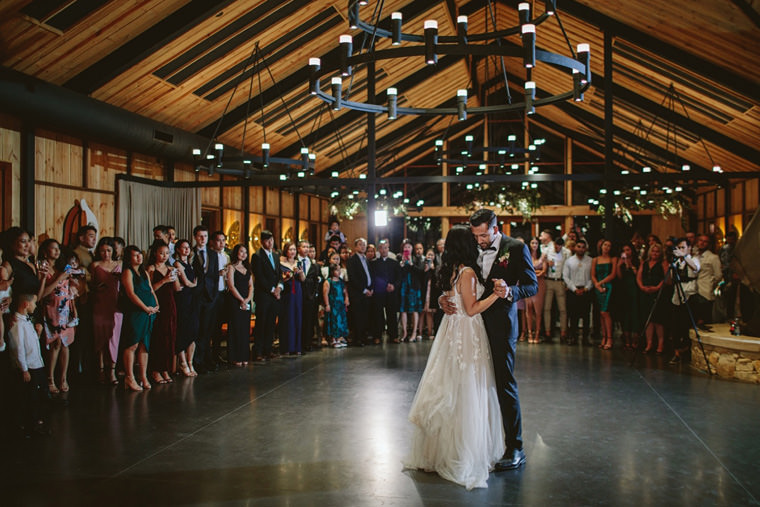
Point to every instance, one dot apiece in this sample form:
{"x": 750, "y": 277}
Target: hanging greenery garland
{"x": 522, "y": 201}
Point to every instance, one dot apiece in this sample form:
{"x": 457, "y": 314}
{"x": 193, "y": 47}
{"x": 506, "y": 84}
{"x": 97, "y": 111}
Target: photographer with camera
{"x": 684, "y": 269}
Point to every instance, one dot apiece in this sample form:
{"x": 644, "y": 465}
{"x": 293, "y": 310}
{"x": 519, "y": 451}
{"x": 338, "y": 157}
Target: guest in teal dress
{"x": 412, "y": 272}
{"x": 603, "y": 269}
{"x": 140, "y": 309}
{"x": 335, "y": 296}
{"x": 628, "y": 306}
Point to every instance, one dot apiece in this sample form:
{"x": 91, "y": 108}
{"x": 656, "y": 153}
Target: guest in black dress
{"x": 186, "y": 300}
{"x": 26, "y": 279}
{"x": 240, "y": 294}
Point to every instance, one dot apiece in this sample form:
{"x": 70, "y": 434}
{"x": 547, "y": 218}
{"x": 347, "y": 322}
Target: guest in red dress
{"x": 106, "y": 316}
{"x": 165, "y": 283}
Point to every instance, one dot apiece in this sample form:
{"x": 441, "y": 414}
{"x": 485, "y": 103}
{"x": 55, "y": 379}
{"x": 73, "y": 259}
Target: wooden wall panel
{"x": 104, "y": 164}
{"x": 145, "y": 166}
{"x": 710, "y": 205}
{"x": 315, "y": 212}
{"x": 303, "y": 206}
{"x": 232, "y": 225}
{"x": 10, "y": 148}
{"x": 184, "y": 172}
{"x": 288, "y": 231}
{"x": 232, "y": 197}
{"x": 209, "y": 196}
{"x": 287, "y": 205}
{"x": 737, "y": 197}
{"x": 751, "y": 194}
{"x": 53, "y": 203}
{"x": 58, "y": 161}
{"x": 256, "y": 199}
{"x": 272, "y": 200}
{"x": 720, "y": 207}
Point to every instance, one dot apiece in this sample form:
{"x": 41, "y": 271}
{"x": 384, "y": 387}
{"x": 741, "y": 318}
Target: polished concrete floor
{"x": 330, "y": 429}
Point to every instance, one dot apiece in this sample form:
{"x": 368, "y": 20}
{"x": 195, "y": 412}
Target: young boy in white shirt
{"x": 24, "y": 343}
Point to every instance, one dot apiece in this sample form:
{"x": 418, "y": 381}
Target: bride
{"x": 458, "y": 428}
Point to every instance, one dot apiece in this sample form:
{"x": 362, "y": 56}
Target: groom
{"x": 503, "y": 260}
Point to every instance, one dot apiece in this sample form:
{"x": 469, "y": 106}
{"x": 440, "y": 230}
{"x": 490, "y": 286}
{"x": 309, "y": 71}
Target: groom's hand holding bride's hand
{"x": 500, "y": 287}
{"x": 445, "y": 304}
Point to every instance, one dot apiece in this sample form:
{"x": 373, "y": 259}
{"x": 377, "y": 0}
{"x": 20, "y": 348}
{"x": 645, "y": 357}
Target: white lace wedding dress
{"x": 458, "y": 428}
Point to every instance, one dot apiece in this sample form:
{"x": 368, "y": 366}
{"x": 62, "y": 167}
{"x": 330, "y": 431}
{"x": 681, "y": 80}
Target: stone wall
{"x": 732, "y": 357}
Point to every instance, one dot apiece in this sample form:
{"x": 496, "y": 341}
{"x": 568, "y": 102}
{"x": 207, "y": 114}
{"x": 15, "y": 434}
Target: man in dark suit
{"x": 206, "y": 264}
{"x": 508, "y": 271}
{"x": 359, "y": 291}
{"x": 310, "y": 291}
{"x": 384, "y": 271}
{"x": 267, "y": 286}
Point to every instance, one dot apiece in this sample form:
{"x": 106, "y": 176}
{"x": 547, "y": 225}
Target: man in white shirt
{"x": 708, "y": 277}
{"x": 577, "y": 276}
{"x": 555, "y": 289}
{"x": 545, "y": 243}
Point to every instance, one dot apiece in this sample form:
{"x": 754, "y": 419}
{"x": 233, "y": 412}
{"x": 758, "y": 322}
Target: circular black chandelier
{"x": 429, "y": 45}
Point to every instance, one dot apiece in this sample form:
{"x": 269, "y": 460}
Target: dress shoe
{"x": 511, "y": 460}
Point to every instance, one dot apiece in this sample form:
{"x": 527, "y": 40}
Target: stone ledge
{"x": 732, "y": 357}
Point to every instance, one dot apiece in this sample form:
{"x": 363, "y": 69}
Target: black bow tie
{"x": 490, "y": 248}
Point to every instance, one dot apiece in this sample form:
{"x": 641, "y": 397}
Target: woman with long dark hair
{"x": 106, "y": 316}
{"x": 240, "y": 290}
{"x": 459, "y": 431}
{"x": 139, "y": 313}
{"x": 187, "y": 307}
{"x": 293, "y": 277}
{"x": 165, "y": 282}
{"x": 630, "y": 322}
{"x": 534, "y": 305}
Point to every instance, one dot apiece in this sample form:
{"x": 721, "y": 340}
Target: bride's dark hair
{"x": 460, "y": 249}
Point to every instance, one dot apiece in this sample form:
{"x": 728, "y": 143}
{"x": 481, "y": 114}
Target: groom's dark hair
{"x": 483, "y": 216}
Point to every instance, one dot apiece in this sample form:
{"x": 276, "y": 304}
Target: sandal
{"x": 52, "y": 387}
{"x": 114, "y": 380}
{"x": 64, "y": 386}
{"x": 157, "y": 378}
{"x": 130, "y": 384}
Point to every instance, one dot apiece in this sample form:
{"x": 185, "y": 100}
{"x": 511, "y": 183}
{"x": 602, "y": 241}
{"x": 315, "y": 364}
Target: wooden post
{"x": 445, "y": 225}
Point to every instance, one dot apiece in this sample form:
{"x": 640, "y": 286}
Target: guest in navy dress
{"x": 240, "y": 293}
{"x": 291, "y": 317}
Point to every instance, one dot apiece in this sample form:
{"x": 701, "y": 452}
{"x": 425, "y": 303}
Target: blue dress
{"x": 291, "y": 316}
{"x": 603, "y": 298}
{"x": 137, "y": 325}
{"x": 411, "y": 295}
{"x": 336, "y": 322}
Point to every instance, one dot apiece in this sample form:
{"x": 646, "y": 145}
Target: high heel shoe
{"x": 130, "y": 384}
{"x": 52, "y": 387}
{"x": 145, "y": 384}
{"x": 185, "y": 370}
{"x": 114, "y": 380}
{"x": 64, "y": 386}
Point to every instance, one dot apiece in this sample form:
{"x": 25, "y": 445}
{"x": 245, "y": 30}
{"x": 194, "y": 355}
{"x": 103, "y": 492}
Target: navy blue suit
{"x": 265, "y": 279}
{"x": 503, "y": 328}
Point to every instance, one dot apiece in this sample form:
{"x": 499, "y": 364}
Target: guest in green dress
{"x": 603, "y": 269}
{"x": 140, "y": 309}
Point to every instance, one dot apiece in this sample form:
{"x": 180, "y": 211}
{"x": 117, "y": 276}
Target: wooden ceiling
{"x": 178, "y": 61}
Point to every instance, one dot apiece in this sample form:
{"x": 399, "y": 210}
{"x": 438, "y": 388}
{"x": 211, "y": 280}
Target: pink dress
{"x": 106, "y": 317}
{"x": 58, "y": 311}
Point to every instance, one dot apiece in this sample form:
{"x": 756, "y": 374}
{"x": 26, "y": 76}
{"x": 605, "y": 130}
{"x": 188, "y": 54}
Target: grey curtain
{"x": 143, "y": 206}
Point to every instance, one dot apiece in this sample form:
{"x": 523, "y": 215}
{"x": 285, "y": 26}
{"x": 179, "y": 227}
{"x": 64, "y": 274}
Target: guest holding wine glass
{"x": 187, "y": 302}
{"x": 139, "y": 313}
{"x": 534, "y": 305}
{"x": 165, "y": 283}
{"x": 58, "y": 312}
{"x": 240, "y": 293}
{"x": 291, "y": 332}
{"x": 106, "y": 315}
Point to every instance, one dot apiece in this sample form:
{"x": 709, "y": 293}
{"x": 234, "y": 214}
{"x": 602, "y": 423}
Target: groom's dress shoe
{"x": 511, "y": 460}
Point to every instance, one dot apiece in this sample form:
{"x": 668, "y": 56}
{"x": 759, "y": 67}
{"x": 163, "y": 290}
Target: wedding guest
{"x": 106, "y": 314}
{"x": 603, "y": 272}
{"x": 332, "y": 244}
{"x": 161, "y": 232}
{"x": 119, "y": 245}
{"x": 555, "y": 289}
{"x": 165, "y": 283}
{"x": 534, "y": 305}
{"x": 334, "y": 230}
{"x": 24, "y": 276}
{"x": 359, "y": 292}
{"x": 187, "y": 302}
{"x": 429, "y": 296}
{"x": 344, "y": 252}
{"x": 172, "y": 237}
{"x": 336, "y": 301}
{"x": 291, "y": 313}
{"x": 206, "y": 267}
{"x": 710, "y": 274}
{"x": 371, "y": 252}
{"x": 267, "y": 289}
{"x": 218, "y": 243}
{"x": 410, "y": 284}
{"x": 436, "y": 290}
{"x": 546, "y": 243}
{"x": 139, "y": 313}
{"x": 311, "y": 291}
{"x": 577, "y": 276}
{"x": 333, "y": 258}
{"x": 650, "y": 279}
{"x": 83, "y": 351}
{"x": 59, "y": 313}
{"x": 5, "y": 300}
{"x": 240, "y": 295}
{"x": 24, "y": 345}
{"x": 384, "y": 272}
{"x": 630, "y": 320}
